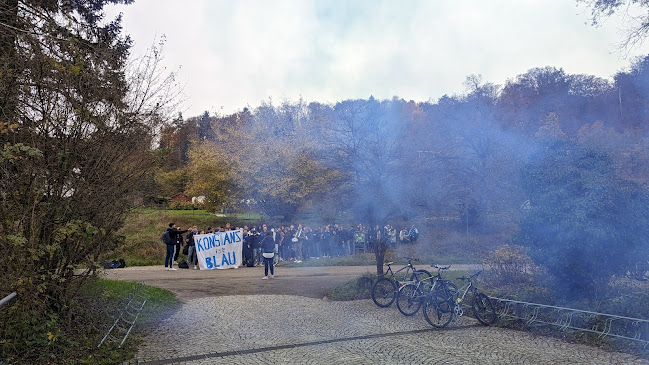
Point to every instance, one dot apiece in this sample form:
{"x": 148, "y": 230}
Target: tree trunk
{"x": 8, "y": 62}
{"x": 379, "y": 253}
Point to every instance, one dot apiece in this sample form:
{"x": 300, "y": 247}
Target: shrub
{"x": 359, "y": 288}
{"x": 585, "y": 223}
{"x": 509, "y": 264}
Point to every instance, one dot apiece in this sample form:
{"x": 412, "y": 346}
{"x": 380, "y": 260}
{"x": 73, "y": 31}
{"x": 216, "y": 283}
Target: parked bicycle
{"x": 384, "y": 291}
{"x": 440, "y": 306}
{"x": 412, "y": 294}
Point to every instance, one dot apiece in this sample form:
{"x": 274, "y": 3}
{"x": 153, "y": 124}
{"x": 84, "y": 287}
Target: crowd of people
{"x": 298, "y": 243}
{"x": 270, "y": 245}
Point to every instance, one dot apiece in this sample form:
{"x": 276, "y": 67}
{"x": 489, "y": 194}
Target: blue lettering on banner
{"x": 210, "y": 262}
{"x": 218, "y": 244}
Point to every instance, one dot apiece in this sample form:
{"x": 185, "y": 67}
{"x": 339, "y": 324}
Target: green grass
{"x": 159, "y": 305}
{"x": 355, "y": 289}
{"x": 160, "y": 302}
{"x": 142, "y": 230}
{"x": 361, "y": 259}
{"x": 361, "y": 287}
{"x": 70, "y": 335}
{"x": 200, "y": 214}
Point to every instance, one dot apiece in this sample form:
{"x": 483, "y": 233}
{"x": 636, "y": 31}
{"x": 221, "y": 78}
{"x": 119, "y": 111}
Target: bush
{"x": 359, "y": 288}
{"x": 585, "y": 224}
{"x": 509, "y": 264}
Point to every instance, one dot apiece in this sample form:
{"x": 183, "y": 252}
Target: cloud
{"x": 237, "y": 53}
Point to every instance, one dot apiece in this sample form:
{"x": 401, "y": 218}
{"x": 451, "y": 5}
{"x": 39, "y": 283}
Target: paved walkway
{"x": 280, "y": 329}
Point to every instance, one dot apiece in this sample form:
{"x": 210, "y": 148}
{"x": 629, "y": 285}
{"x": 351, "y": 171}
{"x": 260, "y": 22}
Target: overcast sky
{"x": 234, "y": 54}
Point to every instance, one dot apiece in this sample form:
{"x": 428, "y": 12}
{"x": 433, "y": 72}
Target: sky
{"x": 235, "y": 54}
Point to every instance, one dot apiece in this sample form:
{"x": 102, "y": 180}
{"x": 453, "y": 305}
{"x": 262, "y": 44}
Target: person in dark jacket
{"x": 254, "y": 238}
{"x": 179, "y": 243}
{"x": 191, "y": 248}
{"x": 268, "y": 249}
{"x": 176, "y": 236}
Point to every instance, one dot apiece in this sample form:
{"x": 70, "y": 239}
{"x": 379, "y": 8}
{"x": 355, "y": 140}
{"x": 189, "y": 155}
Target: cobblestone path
{"x": 281, "y": 329}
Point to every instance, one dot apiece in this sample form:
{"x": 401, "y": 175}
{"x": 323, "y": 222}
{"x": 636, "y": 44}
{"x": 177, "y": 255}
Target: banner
{"x": 220, "y": 250}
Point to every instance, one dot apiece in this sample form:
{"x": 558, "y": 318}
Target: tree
{"x": 276, "y": 159}
{"x": 75, "y": 150}
{"x": 636, "y": 13}
{"x": 362, "y": 140}
{"x": 211, "y": 174}
{"x": 585, "y": 224}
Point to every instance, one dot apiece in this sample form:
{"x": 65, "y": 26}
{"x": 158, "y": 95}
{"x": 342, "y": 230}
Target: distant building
{"x": 180, "y": 197}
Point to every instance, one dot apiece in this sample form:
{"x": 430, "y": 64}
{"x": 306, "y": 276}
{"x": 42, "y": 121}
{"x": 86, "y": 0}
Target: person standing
{"x": 300, "y": 236}
{"x": 268, "y": 248}
{"x": 174, "y": 235}
{"x": 414, "y": 234}
{"x": 255, "y": 244}
{"x": 179, "y": 243}
{"x": 192, "y": 259}
{"x": 326, "y": 242}
{"x": 276, "y": 237}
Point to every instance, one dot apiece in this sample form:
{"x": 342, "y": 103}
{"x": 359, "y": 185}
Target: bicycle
{"x": 384, "y": 291}
{"x": 440, "y": 308}
{"x": 412, "y": 294}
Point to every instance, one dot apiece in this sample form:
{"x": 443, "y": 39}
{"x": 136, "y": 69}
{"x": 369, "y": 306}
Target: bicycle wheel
{"x": 483, "y": 309}
{"x": 448, "y": 289}
{"x": 438, "y": 310}
{"x": 384, "y": 291}
{"x": 409, "y": 299}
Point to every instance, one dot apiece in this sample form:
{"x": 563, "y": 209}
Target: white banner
{"x": 220, "y": 250}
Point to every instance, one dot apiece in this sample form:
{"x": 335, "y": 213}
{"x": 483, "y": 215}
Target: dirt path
{"x": 312, "y": 282}
{"x": 190, "y": 284}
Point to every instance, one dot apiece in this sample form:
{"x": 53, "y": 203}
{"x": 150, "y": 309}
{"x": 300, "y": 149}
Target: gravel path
{"x": 280, "y": 329}
{"x": 232, "y": 316}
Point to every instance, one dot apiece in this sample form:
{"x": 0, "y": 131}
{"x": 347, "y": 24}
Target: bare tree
{"x": 635, "y": 15}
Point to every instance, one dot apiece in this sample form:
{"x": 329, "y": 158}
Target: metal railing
{"x": 127, "y": 315}
{"x": 570, "y": 319}
{"x": 6, "y": 299}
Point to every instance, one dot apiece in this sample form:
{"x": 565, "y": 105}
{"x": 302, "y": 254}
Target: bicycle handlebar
{"x": 470, "y": 277}
{"x": 410, "y": 258}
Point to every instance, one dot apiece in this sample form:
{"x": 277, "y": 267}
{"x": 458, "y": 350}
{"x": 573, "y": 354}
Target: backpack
{"x": 183, "y": 265}
{"x": 166, "y": 238}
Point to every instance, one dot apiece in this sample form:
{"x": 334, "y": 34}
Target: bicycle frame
{"x": 409, "y": 267}
{"x": 437, "y": 277}
{"x": 434, "y": 281}
{"x": 468, "y": 286}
